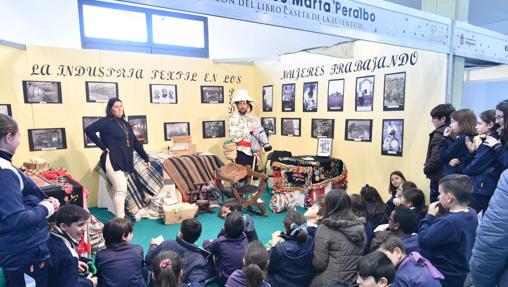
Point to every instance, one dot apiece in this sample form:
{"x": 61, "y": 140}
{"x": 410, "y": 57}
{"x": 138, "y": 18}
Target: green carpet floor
{"x": 148, "y": 228}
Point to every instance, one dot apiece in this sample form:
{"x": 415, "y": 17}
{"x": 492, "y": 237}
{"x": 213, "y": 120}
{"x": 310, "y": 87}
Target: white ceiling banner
{"x": 369, "y": 20}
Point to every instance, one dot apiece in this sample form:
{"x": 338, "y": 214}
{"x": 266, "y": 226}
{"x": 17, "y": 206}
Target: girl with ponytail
{"x": 255, "y": 262}
{"x": 291, "y": 260}
{"x": 167, "y": 270}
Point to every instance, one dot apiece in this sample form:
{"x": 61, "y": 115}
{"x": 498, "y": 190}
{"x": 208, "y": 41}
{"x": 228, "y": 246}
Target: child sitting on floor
{"x": 167, "y": 271}
{"x": 120, "y": 264}
{"x": 195, "y": 269}
{"x": 291, "y": 260}
{"x": 413, "y": 270}
{"x": 229, "y": 248}
{"x": 403, "y": 223}
{"x": 234, "y": 205}
{"x": 255, "y": 262}
{"x": 65, "y": 236}
{"x": 375, "y": 270}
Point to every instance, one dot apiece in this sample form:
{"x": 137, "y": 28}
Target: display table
{"x": 306, "y": 177}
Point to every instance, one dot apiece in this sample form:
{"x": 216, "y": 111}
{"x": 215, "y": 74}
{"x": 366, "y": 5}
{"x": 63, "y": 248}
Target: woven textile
{"x": 187, "y": 170}
{"x": 141, "y": 183}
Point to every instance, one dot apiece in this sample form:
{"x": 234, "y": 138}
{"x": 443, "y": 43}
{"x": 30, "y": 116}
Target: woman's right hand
{"x": 454, "y": 162}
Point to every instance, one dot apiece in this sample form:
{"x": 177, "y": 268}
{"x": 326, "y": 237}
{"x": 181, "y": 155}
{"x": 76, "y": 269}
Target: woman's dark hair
{"x": 359, "y": 206}
{"x": 110, "y": 104}
{"x": 7, "y": 126}
{"x": 295, "y": 220}
{"x": 377, "y": 265}
{"x": 408, "y": 184}
{"x": 114, "y": 231}
{"x": 503, "y": 107}
{"x": 166, "y": 268}
{"x": 338, "y": 205}
{"x": 255, "y": 261}
{"x": 466, "y": 120}
{"x": 489, "y": 116}
{"x": 370, "y": 194}
{"x": 392, "y": 188}
{"x": 233, "y": 225}
{"x": 406, "y": 218}
{"x": 414, "y": 196}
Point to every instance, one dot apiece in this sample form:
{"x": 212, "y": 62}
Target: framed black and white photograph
{"x": 212, "y": 94}
{"x": 176, "y": 129}
{"x": 36, "y": 92}
{"x": 46, "y": 139}
{"x": 364, "y": 99}
{"x": 163, "y": 94}
{"x": 291, "y": 127}
{"x": 394, "y": 92}
{"x": 358, "y": 130}
{"x": 139, "y": 127}
{"x": 288, "y": 97}
{"x": 267, "y": 98}
{"x": 269, "y": 125}
{"x": 86, "y": 122}
{"x": 336, "y": 95}
{"x": 392, "y": 137}
{"x": 310, "y": 97}
{"x": 324, "y": 147}
{"x": 214, "y": 129}
{"x": 6, "y": 109}
{"x": 322, "y": 128}
{"x": 101, "y": 92}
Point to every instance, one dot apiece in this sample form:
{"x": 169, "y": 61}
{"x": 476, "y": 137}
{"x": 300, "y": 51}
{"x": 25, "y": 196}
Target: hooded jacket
{"x": 338, "y": 247}
{"x": 291, "y": 263}
{"x": 490, "y": 252}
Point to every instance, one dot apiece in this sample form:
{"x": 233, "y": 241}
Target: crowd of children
{"x": 343, "y": 240}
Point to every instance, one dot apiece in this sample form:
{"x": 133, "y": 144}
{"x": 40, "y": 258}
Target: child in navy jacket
{"x": 413, "y": 270}
{"x": 447, "y": 241}
{"x": 453, "y": 151}
{"x": 484, "y": 169}
{"x": 291, "y": 260}
{"x": 121, "y": 263}
{"x": 24, "y": 210}
{"x": 233, "y": 204}
{"x": 229, "y": 248}
{"x": 65, "y": 236}
{"x": 195, "y": 265}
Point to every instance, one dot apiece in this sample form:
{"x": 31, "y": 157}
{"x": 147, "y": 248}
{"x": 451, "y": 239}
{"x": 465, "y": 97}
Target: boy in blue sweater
{"x": 447, "y": 240}
{"x": 413, "y": 270}
{"x": 65, "y": 235}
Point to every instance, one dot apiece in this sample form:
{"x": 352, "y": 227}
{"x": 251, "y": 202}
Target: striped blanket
{"x": 187, "y": 170}
{"x": 142, "y": 185}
